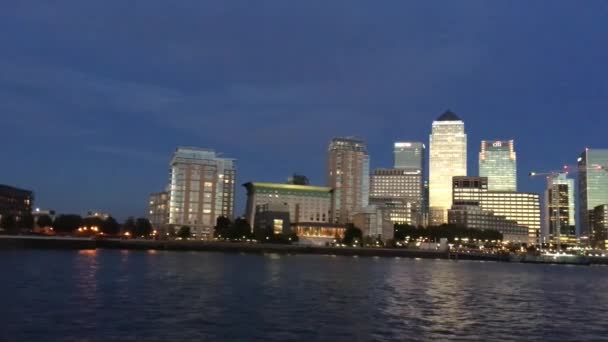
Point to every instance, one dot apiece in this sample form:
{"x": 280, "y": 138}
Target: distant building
{"x": 521, "y": 207}
{"x": 348, "y": 175}
{"x": 15, "y": 202}
{"x": 158, "y": 212}
{"x": 473, "y": 217}
{"x": 409, "y": 155}
{"x": 592, "y": 186}
{"x": 559, "y": 202}
{"x": 298, "y": 180}
{"x": 37, "y": 213}
{"x": 448, "y": 158}
{"x": 272, "y": 218}
{"x": 498, "y": 162}
{"x": 400, "y": 193}
{"x": 306, "y": 203}
{"x": 375, "y": 223}
{"x": 201, "y": 190}
{"x": 600, "y": 226}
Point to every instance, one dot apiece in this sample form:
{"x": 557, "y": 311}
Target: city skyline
{"x": 90, "y": 129}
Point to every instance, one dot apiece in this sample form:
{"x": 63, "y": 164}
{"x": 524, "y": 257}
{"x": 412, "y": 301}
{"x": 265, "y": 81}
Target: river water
{"x": 183, "y": 296}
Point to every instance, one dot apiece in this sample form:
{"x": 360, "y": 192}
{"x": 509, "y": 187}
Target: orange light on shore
{"x": 127, "y": 234}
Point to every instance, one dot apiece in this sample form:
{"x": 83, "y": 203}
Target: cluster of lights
{"x": 87, "y": 229}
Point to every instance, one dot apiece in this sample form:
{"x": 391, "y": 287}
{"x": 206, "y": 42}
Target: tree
{"x": 352, "y": 234}
{"x": 26, "y": 221}
{"x": 222, "y": 227}
{"x": 67, "y": 223}
{"x": 109, "y": 226}
{"x": 240, "y": 229}
{"x": 44, "y": 221}
{"x": 129, "y": 226}
{"x": 184, "y": 232}
{"x": 8, "y": 223}
{"x": 143, "y": 227}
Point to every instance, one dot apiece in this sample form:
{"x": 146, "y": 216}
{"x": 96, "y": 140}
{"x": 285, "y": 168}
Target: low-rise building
{"x": 375, "y": 223}
{"x": 15, "y": 202}
{"x": 318, "y": 234}
{"x": 272, "y": 218}
{"x": 472, "y": 216}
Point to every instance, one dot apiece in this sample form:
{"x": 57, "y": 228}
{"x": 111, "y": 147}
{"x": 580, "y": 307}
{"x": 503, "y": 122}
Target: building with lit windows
{"x": 158, "y": 210}
{"x": 448, "y": 158}
{"x": 15, "y": 202}
{"x": 592, "y": 187}
{"x": 498, "y": 162}
{"x": 473, "y": 217}
{"x": 306, "y": 203}
{"x": 400, "y": 193}
{"x": 559, "y": 202}
{"x": 201, "y": 190}
{"x": 348, "y": 175}
{"x": 272, "y": 218}
{"x": 521, "y": 207}
{"x": 600, "y": 226}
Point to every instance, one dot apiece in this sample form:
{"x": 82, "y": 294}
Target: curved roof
{"x": 448, "y": 116}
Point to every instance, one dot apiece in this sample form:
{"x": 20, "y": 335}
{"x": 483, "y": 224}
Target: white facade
{"x": 448, "y": 158}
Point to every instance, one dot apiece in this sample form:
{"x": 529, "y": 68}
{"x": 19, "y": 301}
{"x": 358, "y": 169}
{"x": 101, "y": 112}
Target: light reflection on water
{"x": 159, "y": 295}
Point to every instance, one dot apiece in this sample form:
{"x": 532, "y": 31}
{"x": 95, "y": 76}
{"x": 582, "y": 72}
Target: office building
{"x": 498, "y": 162}
{"x": 306, "y": 203}
{"x": 600, "y": 226}
{"x": 559, "y": 203}
{"x": 409, "y": 155}
{"x": 592, "y": 186}
{"x": 15, "y": 202}
{"x": 473, "y": 217}
{"x": 348, "y": 175}
{"x": 521, "y": 207}
{"x": 201, "y": 190}
{"x": 448, "y": 158}
{"x": 400, "y": 193}
{"x": 272, "y": 218}
{"x": 375, "y": 223}
{"x": 158, "y": 210}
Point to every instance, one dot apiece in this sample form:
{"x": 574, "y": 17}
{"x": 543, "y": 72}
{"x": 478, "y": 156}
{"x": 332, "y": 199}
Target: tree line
{"x": 449, "y": 231}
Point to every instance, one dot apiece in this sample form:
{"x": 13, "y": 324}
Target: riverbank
{"x": 38, "y": 242}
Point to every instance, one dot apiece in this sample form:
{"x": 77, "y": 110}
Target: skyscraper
{"x": 592, "y": 186}
{"x": 498, "y": 162}
{"x": 201, "y": 189}
{"x": 559, "y": 202}
{"x": 409, "y": 155}
{"x": 348, "y": 175}
{"x": 448, "y": 158}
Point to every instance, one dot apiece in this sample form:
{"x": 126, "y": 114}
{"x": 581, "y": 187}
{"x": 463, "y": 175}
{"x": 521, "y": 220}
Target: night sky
{"x": 96, "y": 95}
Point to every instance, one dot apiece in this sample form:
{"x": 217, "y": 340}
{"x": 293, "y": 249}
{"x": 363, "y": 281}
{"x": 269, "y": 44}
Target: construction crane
{"x": 554, "y": 186}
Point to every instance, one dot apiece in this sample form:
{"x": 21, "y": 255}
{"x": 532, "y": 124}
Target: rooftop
{"x": 279, "y": 186}
{"x": 448, "y": 116}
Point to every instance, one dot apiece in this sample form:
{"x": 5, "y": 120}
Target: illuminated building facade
{"x": 559, "y": 202}
{"x": 201, "y": 190}
{"x": 592, "y": 186}
{"x": 305, "y": 203}
{"x": 158, "y": 210}
{"x": 498, "y": 162}
{"x": 521, "y": 207}
{"x": 600, "y": 226}
{"x": 448, "y": 158}
{"x": 409, "y": 155}
{"x": 473, "y": 217}
{"x": 348, "y": 175}
{"x": 399, "y": 192}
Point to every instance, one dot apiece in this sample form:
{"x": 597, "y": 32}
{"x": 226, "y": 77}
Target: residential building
{"x": 521, "y": 207}
{"x": 592, "y": 186}
{"x": 201, "y": 190}
{"x": 600, "y": 226}
{"x": 15, "y": 202}
{"x": 374, "y": 222}
{"x": 306, "y": 203}
{"x": 400, "y": 192}
{"x": 409, "y": 155}
{"x": 158, "y": 213}
{"x": 498, "y": 162}
{"x": 559, "y": 203}
{"x": 348, "y": 175}
{"x": 448, "y": 158}
{"x": 472, "y": 216}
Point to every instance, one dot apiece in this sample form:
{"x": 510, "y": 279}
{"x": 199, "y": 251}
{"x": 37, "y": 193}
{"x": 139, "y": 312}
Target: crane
{"x": 551, "y": 176}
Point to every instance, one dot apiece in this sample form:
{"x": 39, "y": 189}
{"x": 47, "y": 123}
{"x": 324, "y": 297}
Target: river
{"x": 102, "y": 295}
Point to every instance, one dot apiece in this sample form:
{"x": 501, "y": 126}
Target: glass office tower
{"x": 498, "y": 162}
{"x": 592, "y": 186}
{"x": 409, "y": 155}
{"x": 448, "y": 158}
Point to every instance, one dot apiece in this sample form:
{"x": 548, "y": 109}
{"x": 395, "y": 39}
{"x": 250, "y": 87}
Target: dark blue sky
{"x": 95, "y": 95}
